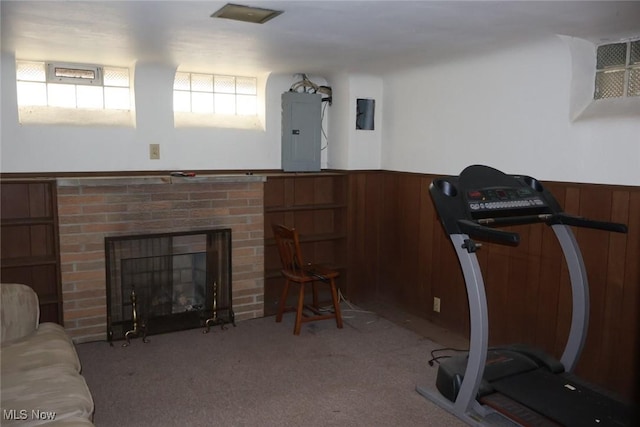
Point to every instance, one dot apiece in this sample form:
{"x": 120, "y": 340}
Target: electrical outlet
{"x": 154, "y": 151}
{"x": 436, "y": 304}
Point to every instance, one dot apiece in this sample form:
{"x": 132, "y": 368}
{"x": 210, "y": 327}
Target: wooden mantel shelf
{"x": 157, "y": 179}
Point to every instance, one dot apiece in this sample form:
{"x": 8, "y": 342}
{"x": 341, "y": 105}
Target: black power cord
{"x": 435, "y": 359}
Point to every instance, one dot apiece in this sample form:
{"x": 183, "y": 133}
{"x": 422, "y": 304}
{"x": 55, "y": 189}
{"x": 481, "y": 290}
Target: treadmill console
{"x": 482, "y": 195}
{"x": 482, "y": 198}
{"x": 503, "y": 201}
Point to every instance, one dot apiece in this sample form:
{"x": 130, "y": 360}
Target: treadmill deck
{"x": 560, "y": 398}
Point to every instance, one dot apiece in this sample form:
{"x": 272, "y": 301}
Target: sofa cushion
{"x": 19, "y": 311}
{"x": 71, "y": 422}
{"x": 49, "y": 345}
{"x": 58, "y": 390}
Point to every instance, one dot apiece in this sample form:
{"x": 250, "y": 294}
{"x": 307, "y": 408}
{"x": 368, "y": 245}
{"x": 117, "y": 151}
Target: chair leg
{"x": 300, "y": 307}
{"x": 314, "y": 289}
{"x": 336, "y": 304}
{"x": 283, "y": 301}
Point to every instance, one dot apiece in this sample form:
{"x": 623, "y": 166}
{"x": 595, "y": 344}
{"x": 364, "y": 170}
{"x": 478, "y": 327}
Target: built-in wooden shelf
{"x": 27, "y": 221}
{"x": 294, "y": 208}
{"x": 28, "y": 261}
{"x": 316, "y": 205}
{"x": 30, "y": 249}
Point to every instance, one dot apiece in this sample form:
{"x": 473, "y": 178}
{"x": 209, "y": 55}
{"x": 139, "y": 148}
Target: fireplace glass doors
{"x": 166, "y": 282}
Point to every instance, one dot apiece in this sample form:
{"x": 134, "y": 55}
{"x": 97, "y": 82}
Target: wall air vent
{"x": 74, "y": 74}
{"x": 238, "y": 12}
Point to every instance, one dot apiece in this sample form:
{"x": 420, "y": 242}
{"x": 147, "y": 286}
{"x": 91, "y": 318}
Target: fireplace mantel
{"x": 92, "y": 208}
{"x": 156, "y": 179}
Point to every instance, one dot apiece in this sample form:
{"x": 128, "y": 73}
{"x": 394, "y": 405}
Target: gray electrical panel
{"x": 301, "y": 130}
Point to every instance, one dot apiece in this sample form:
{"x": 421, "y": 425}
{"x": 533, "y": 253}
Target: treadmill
{"x": 515, "y": 385}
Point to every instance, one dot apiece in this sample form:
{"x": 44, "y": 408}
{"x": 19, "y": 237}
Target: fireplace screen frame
{"x": 211, "y": 245}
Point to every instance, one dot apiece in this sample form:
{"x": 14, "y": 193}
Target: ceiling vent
{"x": 238, "y": 12}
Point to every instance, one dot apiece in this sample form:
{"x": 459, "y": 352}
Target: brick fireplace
{"x": 90, "y": 209}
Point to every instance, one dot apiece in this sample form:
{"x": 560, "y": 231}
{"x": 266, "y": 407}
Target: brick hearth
{"x": 91, "y": 208}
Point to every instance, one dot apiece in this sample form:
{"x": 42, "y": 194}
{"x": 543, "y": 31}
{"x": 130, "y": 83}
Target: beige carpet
{"x": 260, "y": 374}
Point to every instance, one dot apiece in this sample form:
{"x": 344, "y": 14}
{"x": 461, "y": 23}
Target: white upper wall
{"x": 349, "y": 148}
{"x": 510, "y": 110}
{"x": 64, "y": 148}
{"x": 340, "y": 113}
{"x": 365, "y": 146}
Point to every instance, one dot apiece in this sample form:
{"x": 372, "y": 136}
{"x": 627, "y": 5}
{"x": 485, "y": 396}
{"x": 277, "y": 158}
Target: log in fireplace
{"x": 166, "y": 282}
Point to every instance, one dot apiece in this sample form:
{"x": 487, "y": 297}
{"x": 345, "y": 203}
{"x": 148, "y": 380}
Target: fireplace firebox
{"x": 166, "y": 282}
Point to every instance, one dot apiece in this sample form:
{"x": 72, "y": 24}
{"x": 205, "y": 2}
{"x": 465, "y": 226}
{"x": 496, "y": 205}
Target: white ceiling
{"x": 313, "y": 37}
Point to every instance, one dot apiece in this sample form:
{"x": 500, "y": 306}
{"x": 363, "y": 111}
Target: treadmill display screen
{"x": 498, "y": 202}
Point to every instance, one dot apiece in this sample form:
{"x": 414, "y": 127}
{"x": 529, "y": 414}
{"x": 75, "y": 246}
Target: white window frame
{"x": 191, "y": 91}
{"x": 213, "y": 119}
{"x": 117, "y": 112}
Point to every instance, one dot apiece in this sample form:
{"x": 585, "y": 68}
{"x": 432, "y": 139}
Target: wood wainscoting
{"x": 380, "y": 228}
{"x": 399, "y": 253}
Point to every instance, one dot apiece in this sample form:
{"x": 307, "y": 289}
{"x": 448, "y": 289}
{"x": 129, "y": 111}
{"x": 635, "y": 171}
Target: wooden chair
{"x": 295, "y": 271}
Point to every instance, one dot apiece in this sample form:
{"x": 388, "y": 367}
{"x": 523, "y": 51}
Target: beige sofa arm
{"x": 19, "y": 311}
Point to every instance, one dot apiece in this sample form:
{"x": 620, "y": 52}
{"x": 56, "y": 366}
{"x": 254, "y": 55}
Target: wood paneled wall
{"x": 399, "y": 253}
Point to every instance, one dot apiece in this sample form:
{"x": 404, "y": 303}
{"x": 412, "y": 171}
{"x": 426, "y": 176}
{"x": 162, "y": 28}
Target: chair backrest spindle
{"x": 288, "y": 244}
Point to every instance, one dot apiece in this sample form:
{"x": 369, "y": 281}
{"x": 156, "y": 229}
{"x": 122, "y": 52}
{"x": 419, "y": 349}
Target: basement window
{"x": 215, "y": 100}
{"x": 212, "y": 94}
{"x": 65, "y": 93}
{"x": 618, "y": 70}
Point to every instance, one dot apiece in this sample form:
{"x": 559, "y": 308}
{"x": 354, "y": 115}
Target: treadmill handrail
{"x": 479, "y": 229}
{"x": 473, "y": 229}
{"x": 578, "y": 221}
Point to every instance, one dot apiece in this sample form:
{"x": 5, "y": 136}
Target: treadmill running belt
{"x": 560, "y": 399}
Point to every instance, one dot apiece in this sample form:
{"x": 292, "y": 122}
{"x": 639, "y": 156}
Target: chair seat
{"x": 311, "y": 272}
{"x": 298, "y": 273}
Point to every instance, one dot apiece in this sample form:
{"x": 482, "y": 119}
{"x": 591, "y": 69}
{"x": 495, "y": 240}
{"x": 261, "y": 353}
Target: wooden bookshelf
{"x": 30, "y": 249}
{"x": 316, "y": 205}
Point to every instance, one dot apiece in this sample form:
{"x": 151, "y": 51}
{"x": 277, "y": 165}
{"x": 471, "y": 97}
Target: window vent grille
{"x": 74, "y": 74}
